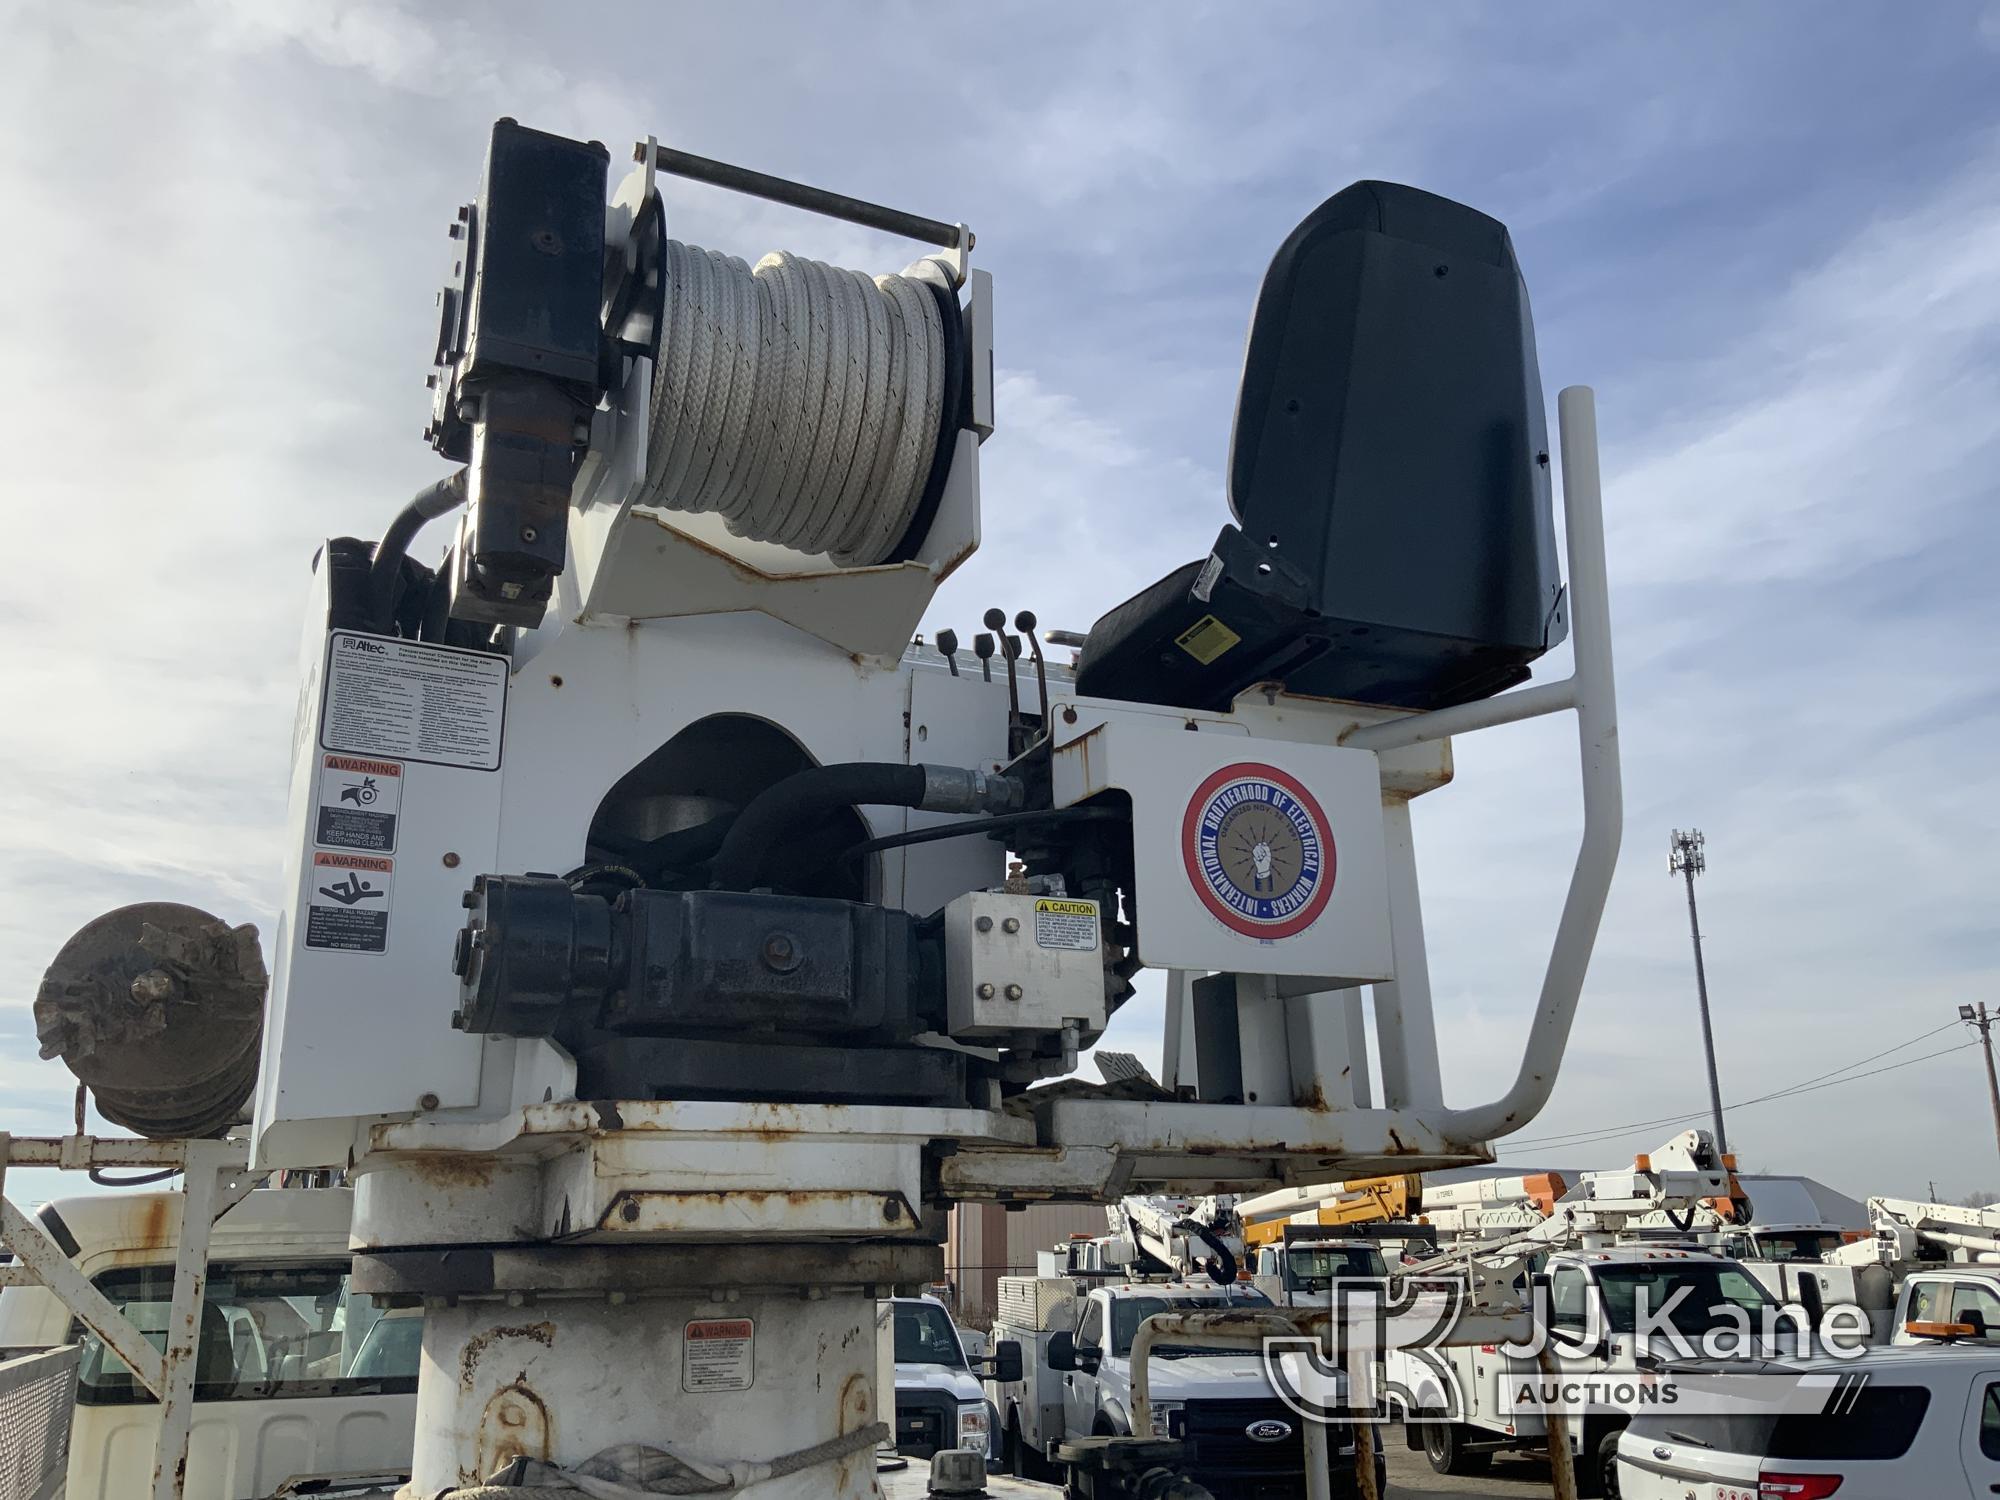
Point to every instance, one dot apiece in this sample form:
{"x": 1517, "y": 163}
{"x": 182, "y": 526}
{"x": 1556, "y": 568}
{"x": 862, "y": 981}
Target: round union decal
{"x": 1258, "y": 850}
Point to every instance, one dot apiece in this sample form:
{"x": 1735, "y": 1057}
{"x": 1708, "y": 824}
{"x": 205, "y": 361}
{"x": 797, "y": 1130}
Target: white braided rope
{"x": 799, "y": 401}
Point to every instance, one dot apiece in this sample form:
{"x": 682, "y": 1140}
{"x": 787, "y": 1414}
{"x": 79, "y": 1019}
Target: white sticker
{"x": 434, "y": 704}
{"x": 347, "y": 905}
{"x": 1204, "y": 581}
{"x": 718, "y": 1354}
{"x": 358, "y": 802}
{"x": 1066, "y": 924}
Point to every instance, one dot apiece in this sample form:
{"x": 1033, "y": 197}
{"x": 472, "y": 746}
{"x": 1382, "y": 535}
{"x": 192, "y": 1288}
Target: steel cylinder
{"x": 715, "y": 1382}
{"x": 159, "y": 1009}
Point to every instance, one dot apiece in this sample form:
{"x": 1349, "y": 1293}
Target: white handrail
{"x": 1590, "y": 690}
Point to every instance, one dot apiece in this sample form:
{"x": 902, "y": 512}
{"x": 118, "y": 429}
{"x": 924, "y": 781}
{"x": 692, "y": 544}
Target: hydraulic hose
{"x": 670, "y": 851}
{"x": 809, "y": 795}
{"x": 1223, "y": 1272}
{"x": 426, "y": 505}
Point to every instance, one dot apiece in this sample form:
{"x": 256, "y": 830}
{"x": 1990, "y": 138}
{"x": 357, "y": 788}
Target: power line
{"x": 1592, "y": 1137}
{"x": 1536, "y": 1140}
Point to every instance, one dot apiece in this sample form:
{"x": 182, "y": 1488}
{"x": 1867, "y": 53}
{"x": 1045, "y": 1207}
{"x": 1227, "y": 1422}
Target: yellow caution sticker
{"x": 1207, "y": 639}
{"x": 1066, "y": 924}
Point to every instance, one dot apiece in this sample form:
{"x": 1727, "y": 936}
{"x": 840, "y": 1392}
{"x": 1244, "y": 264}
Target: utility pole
{"x": 1686, "y": 857}
{"x": 1981, "y": 1020}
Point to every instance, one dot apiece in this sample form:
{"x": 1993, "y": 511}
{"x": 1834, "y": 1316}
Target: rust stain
{"x": 1397, "y": 1141}
{"x": 515, "y": 1424}
{"x": 1314, "y": 1099}
{"x": 856, "y": 1479}
{"x": 476, "y": 1346}
{"x": 156, "y": 1222}
{"x": 627, "y": 1208}
{"x": 773, "y": 1123}
{"x": 454, "y": 1169}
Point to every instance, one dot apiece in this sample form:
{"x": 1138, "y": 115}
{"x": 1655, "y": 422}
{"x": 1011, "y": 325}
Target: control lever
{"x": 1010, "y": 651}
{"x": 1025, "y": 623}
{"x": 947, "y": 645}
{"x": 982, "y": 647}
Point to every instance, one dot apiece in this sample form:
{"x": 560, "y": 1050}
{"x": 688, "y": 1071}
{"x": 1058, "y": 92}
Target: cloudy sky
{"x": 1768, "y": 236}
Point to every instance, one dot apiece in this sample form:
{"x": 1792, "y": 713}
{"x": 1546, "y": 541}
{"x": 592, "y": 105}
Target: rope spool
{"x": 803, "y": 403}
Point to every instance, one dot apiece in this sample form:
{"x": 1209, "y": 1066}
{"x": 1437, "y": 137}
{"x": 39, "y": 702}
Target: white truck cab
{"x": 1596, "y": 1301}
{"x": 1965, "y": 1299}
{"x": 1245, "y": 1442}
{"x": 292, "y": 1376}
{"x": 1301, "y": 1273}
{"x": 940, "y": 1402}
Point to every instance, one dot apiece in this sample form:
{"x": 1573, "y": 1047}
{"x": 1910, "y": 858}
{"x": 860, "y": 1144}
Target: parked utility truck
{"x": 1600, "y": 1278}
{"x": 940, "y": 1402}
{"x": 1076, "y": 1338}
{"x": 293, "y": 1377}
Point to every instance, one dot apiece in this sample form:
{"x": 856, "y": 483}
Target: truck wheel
{"x": 1023, "y": 1459}
{"x": 1444, "y": 1447}
{"x": 1606, "y": 1459}
{"x": 1597, "y": 1465}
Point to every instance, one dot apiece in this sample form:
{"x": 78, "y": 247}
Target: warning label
{"x": 433, "y": 704}
{"x": 1206, "y": 639}
{"x": 358, "y": 800}
{"x": 718, "y": 1355}
{"x": 1066, "y": 924}
{"x": 347, "y": 908}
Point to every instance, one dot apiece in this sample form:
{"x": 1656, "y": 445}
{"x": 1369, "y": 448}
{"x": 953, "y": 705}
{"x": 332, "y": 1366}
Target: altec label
{"x": 1258, "y": 851}
{"x": 719, "y": 1354}
{"x": 404, "y": 700}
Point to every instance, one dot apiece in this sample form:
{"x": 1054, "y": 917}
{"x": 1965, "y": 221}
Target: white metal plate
{"x": 1253, "y": 856}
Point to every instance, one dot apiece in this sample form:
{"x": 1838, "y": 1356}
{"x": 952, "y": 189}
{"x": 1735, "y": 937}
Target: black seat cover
{"x": 1389, "y": 473}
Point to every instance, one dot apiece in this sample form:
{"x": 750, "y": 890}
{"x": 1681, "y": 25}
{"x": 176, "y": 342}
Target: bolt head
{"x": 1012, "y": 924}
{"x": 983, "y": 924}
{"x": 985, "y": 991}
{"x": 1014, "y": 992}
{"x": 427, "y": 1101}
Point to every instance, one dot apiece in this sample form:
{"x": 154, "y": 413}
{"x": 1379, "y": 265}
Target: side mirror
{"x": 1812, "y": 1297}
{"x": 1062, "y": 1350}
{"x": 1974, "y": 1319}
{"x": 1006, "y": 1361}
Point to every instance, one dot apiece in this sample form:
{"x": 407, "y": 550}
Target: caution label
{"x": 1207, "y": 639}
{"x": 718, "y": 1354}
{"x": 1066, "y": 924}
{"x": 347, "y": 905}
{"x": 387, "y": 698}
{"x": 358, "y": 802}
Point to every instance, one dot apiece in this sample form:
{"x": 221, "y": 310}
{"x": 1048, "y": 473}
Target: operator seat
{"x": 1389, "y": 473}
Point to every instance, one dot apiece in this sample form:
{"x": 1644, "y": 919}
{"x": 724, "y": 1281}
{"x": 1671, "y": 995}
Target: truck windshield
{"x": 924, "y": 1336}
{"x": 1707, "y": 1289}
{"x": 266, "y": 1331}
{"x": 1794, "y": 1244}
{"x": 1313, "y": 1268}
{"x": 1127, "y": 1313}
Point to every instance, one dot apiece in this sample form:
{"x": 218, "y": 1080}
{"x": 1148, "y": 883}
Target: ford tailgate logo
{"x": 1268, "y": 1431}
